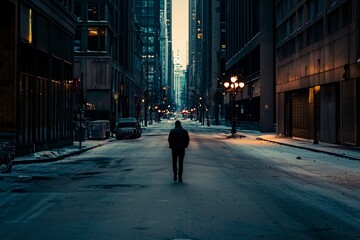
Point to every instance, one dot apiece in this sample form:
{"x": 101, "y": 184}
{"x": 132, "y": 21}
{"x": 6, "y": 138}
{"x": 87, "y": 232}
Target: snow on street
{"x": 239, "y": 188}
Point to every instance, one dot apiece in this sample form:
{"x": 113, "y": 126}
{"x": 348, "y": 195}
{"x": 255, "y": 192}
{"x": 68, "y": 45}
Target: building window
{"x": 287, "y": 29}
{"x": 77, "y": 12}
{"x": 93, "y": 12}
{"x": 285, "y": 6}
{"x": 332, "y": 22}
{"x": 300, "y": 41}
{"x": 96, "y": 38}
{"x": 279, "y": 13}
{"x": 26, "y": 24}
{"x": 96, "y": 12}
{"x": 42, "y": 34}
{"x": 319, "y": 29}
{"x": 311, "y": 34}
{"x": 57, "y": 41}
{"x": 346, "y": 13}
{"x": 319, "y": 7}
{"x": 67, "y": 52}
{"x": 311, "y": 10}
{"x": 301, "y": 17}
{"x": 77, "y": 42}
{"x": 292, "y": 24}
{"x": 279, "y": 34}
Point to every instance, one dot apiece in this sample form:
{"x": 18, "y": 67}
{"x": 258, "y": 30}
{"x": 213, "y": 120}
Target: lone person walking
{"x": 178, "y": 140}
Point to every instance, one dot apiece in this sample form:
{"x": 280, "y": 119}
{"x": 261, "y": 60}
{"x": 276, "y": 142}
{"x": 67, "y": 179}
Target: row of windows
{"x": 288, "y": 42}
{"x": 145, "y": 3}
{"x": 296, "y": 21}
{"x": 95, "y": 12}
{"x": 45, "y": 101}
{"x": 313, "y": 8}
{"x": 55, "y": 40}
{"x": 46, "y": 110}
{"x": 243, "y": 22}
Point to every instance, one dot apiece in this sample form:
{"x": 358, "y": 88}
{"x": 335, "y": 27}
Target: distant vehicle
{"x": 172, "y": 116}
{"x": 127, "y": 128}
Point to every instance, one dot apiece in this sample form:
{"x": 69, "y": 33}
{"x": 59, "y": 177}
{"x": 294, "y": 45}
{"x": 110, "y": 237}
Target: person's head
{"x": 177, "y": 123}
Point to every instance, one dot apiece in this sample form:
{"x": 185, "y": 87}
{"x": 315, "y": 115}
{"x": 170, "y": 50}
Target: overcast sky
{"x": 180, "y": 28}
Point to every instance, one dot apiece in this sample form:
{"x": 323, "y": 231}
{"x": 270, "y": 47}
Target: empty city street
{"x": 238, "y": 188}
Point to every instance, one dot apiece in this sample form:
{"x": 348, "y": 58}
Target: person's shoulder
{"x": 184, "y": 130}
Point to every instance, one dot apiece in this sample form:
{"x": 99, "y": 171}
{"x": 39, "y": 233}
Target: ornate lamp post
{"x": 232, "y": 87}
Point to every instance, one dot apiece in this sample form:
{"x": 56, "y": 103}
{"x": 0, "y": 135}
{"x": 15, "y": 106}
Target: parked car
{"x": 127, "y": 128}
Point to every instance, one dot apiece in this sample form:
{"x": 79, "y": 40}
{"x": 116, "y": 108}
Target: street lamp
{"x": 232, "y": 87}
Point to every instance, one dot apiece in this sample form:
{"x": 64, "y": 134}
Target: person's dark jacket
{"x": 178, "y": 138}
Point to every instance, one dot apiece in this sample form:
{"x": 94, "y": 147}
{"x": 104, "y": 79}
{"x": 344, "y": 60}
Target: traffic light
{"x": 164, "y": 94}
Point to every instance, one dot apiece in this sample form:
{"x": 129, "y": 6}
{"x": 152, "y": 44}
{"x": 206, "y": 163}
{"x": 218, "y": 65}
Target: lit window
{"x": 26, "y": 24}
{"x": 96, "y": 39}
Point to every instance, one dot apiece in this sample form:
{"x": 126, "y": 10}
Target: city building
{"x": 196, "y": 79}
{"x": 318, "y": 70}
{"x": 170, "y": 61}
{"x": 250, "y": 57}
{"x": 166, "y": 61}
{"x": 214, "y": 59}
{"x": 148, "y": 16}
{"x": 107, "y": 60}
{"x": 36, "y": 52}
{"x": 179, "y": 84}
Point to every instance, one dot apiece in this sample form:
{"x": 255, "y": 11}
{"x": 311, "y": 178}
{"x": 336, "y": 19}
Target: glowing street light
{"x": 232, "y": 87}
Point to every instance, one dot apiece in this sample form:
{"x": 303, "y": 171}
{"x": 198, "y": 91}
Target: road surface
{"x": 231, "y": 189}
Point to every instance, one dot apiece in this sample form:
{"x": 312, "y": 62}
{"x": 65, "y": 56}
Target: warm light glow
{"x": 317, "y": 89}
{"x": 236, "y": 85}
{"x": 93, "y": 32}
{"x": 30, "y": 26}
{"x": 233, "y": 79}
{"x": 241, "y": 84}
{"x": 232, "y": 85}
{"x": 226, "y": 84}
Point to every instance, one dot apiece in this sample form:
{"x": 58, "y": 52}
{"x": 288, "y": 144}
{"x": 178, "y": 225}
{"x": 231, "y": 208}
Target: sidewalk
{"x": 350, "y": 152}
{"x": 60, "y": 153}
{"x": 332, "y": 149}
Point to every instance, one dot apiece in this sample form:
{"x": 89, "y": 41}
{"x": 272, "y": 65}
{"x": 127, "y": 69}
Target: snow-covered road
{"x": 232, "y": 189}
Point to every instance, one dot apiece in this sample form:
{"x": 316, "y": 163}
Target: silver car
{"x": 127, "y": 128}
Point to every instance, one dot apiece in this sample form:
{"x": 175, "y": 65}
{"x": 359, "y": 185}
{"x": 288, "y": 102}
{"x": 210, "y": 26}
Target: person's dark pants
{"x": 178, "y": 154}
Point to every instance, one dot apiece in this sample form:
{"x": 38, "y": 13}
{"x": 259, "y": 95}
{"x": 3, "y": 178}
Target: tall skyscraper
{"x": 250, "y": 57}
{"x": 148, "y": 15}
{"x": 179, "y": 83}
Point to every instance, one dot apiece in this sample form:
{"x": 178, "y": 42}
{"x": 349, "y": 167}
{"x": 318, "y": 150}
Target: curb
{"x": 54, "y": 159}
{"x": 310, "y": 149}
